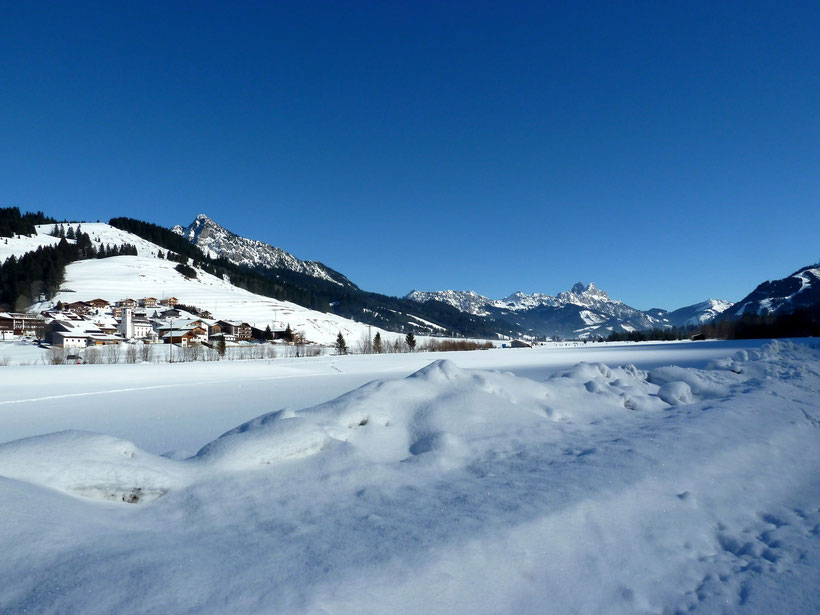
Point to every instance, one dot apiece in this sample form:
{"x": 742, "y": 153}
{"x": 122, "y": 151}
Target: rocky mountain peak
{"x": 589, "y": 290}
{"x": 217, "y": 241}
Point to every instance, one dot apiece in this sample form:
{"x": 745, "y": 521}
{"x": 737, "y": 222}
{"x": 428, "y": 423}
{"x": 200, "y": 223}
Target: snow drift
{"x": 598, "y": 489}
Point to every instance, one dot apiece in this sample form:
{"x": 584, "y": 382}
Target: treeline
{"x": 13, "y": 223}
{"x": 159, "y": 235}
{"x": 656, "y": 334}
{"x": 435, "y": 345}
{"x": 803, "y": 322}
{"x": 383, "y": 311}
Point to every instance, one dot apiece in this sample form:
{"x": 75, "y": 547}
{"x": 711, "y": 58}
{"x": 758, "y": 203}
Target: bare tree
{"x": 57, "y": 356}
{"x": 131, "y": 354}
{"x": 91, "y": 356}
{"x": 189, "y": 353}
{"x": 112, "y": 354}
{"x": 365, "y": 344}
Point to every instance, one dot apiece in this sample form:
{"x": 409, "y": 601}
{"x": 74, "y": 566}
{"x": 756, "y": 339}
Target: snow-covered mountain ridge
{"x": 800, "y": 289}
{"x": 217, "y": 241}
{"x": 583, "y": 310}
{"x": 464, "y": 300}
{"x": 699, "y": 313}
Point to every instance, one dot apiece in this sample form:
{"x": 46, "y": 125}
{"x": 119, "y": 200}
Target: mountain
{"x": 800, "y": 289}
{"x": 694, "y": 315}
{"x": 314, "y": 285}
{"x": 582, "y": 311}
{"x": 216, "y": 241}
{"x": 463, "y": 300}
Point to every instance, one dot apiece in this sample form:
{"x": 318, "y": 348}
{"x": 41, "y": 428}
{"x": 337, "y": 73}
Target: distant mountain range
{"x": 582, "y": 311}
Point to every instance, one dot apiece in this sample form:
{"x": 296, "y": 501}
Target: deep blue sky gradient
{"x": 667, "y": 151}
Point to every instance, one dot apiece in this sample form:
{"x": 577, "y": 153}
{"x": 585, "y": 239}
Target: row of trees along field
{"x": 802, "y": 322}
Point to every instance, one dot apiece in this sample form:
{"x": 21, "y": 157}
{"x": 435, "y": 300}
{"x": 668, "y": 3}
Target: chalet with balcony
{"x": 14, "y": 324}
{"x": 80, "y": 307}
{"x": 241, "y": 331}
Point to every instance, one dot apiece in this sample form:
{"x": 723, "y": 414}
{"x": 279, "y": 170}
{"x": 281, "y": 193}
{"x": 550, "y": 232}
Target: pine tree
{"x": 377, "y": 343}
{"x": 288, "y": 335}
{"x": 268, "y": 334}
{"x": 341, "y": 345}
{"x": 411, "y": 340}
{"x": 69, "y": 234}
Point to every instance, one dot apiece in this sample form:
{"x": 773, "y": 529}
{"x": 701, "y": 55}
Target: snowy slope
{"x": 598, "y": 489}
{"x": 135, "y": 277}
{"x": 17, "y": 246}
{"x": 104, "y": 234}
{"x": 800, "y": 289}
{"x": 140, "y": 276}
{"x": 101, "y": 235}
{"x": 697, "y": 314}
{"x": 217, "y": 241}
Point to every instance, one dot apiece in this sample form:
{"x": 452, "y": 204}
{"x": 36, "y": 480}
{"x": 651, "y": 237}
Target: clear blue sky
{"x": 667, "y": 151}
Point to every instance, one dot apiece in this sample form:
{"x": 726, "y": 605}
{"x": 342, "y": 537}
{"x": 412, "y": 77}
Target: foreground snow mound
{"x": 448, "y": 491}
{"x": 440, "y": 409}
{"x": 90, "y": 465}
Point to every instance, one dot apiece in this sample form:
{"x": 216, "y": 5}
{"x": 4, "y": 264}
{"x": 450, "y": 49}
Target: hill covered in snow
{"x": 799, "y": 290}
{"x": 146, "y": 275}
{"x": 135, "y": 277}
{"x": 697, "y": 314}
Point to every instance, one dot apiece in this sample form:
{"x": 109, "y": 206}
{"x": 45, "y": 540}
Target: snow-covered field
{"x": 502, "y": 481}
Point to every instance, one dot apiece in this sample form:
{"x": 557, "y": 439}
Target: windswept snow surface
{"x": 596, "y": 489}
